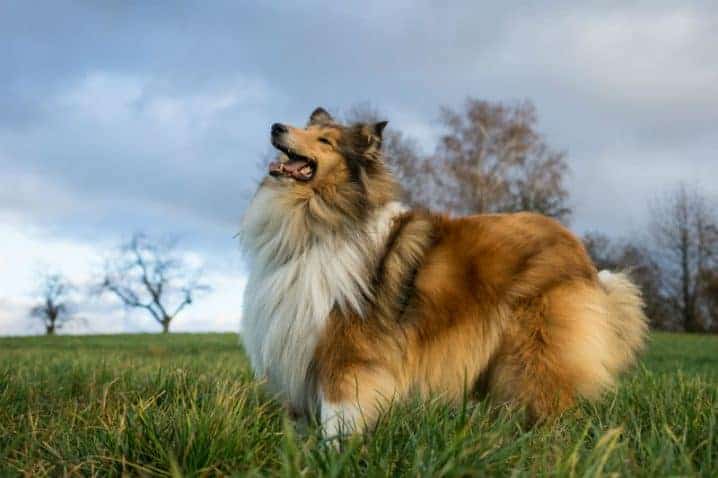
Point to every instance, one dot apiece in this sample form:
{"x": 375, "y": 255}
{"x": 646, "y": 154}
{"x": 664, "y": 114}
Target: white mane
{"x": 295, "y": 280}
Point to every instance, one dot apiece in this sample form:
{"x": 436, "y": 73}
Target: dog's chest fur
{"x": 288, "y": 300}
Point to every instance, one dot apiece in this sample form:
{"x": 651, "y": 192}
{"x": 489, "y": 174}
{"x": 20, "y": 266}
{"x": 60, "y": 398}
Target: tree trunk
{"x": 50, "y": 329}
{"x": 693, "y": 320}
{"x": 688, "y": 311}
{"x": 165, "y": 326}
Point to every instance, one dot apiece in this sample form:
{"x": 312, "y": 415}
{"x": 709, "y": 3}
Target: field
{"x": 186, "y": 405}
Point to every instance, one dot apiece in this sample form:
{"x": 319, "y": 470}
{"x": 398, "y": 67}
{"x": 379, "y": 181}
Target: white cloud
{"x": 640, "y": 56}
{"x": 613, "y": 191}
{"x": 27, "y": 250}
{"x": 101, "y": 96}
{"x": 14, "y": 319}
{"x": 23, "y": 191}
{"x": 132, "y": 150}
{"x": 648, "y": 56}
{"x": 220, "y": 311}
{"x": 153, "y": 108}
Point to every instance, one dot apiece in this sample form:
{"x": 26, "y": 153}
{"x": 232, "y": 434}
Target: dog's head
{"x": 329, "y": 159}
{"x": 327, "y": 179}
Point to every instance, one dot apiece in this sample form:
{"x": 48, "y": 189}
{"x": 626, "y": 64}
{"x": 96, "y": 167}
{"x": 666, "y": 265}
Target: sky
{"x": 117, "y": 117}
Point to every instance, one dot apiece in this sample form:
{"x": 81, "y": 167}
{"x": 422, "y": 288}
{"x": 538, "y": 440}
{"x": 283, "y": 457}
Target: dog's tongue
{"x": 290, "y": 168}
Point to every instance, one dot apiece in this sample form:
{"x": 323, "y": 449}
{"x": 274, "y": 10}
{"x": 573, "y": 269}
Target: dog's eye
{"x": 325, "y": 141}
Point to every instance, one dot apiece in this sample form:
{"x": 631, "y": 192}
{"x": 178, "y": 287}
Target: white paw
{"x": 339, "y": 419}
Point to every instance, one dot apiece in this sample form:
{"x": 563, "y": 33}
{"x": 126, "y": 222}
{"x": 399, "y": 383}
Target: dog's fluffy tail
{"x": 603, "y": 330}
{"x": 627, "y": 322}
{"x": 591, "y": 332}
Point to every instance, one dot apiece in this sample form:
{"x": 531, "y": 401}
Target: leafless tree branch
{"x": 152, "y": 276}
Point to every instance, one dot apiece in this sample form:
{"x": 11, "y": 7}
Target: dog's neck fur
{"x": 296, "y": 278}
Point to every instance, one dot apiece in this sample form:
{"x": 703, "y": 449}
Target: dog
{"x": 354, "y": 301}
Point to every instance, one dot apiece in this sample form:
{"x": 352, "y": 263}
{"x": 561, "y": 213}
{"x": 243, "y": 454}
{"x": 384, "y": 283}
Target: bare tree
{"x": 634, "y": 258}
{"x": 602, "y": 250}
{"x": 710, "y": 298}
{"x": 152, "y": 276}
{"x": 401, "y": 153}
{"x": 686, "y": 231}
{"x": 710, "y": 292}
{"x": 54, "y": 310}
{"x": 492, "y": 159}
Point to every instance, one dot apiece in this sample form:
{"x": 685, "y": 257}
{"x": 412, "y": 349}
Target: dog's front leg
{"x": 340, "y": 418}
{"x": 353, "y": 403}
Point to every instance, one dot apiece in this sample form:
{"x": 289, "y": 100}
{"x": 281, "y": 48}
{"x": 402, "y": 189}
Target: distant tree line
{"x": 490, "y": 158}
{"x": 675, "y": 262}
{"x": 142, "y": 274}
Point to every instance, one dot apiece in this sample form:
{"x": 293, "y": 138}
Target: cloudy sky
{"x": 117, "y": 117}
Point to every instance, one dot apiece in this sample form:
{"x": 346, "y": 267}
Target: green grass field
{"x": 186, "y": 405}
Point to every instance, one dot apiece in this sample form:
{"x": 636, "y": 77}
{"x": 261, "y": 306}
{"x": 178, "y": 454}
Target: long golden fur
{"x": 353, "y": 300}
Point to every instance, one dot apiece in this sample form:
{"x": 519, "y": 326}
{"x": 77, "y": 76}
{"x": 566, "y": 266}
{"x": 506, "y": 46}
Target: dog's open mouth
{"x": 298, "y": 167}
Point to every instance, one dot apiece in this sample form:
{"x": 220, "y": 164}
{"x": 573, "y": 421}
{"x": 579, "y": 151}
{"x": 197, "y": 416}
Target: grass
{"x": 186, "y": 405}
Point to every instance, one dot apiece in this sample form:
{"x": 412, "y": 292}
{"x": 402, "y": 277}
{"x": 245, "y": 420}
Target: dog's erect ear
{"x": 379, "y": 128}
{"x": 320, "y": 116}
{"x": 371, "y": 134}
{"x": 374, "y": 131}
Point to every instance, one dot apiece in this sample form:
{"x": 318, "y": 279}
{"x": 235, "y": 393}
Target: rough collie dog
{"x": 354, "y": 301}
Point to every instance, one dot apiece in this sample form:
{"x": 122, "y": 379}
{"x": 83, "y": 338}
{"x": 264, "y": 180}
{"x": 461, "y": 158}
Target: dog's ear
{"x": 379, "y": 128}
{"x": 373, "y": 133}
{"x": 320, "y": 116}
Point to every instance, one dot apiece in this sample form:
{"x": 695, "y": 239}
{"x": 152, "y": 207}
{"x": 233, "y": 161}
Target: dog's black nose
{"x": 278, "y": 128}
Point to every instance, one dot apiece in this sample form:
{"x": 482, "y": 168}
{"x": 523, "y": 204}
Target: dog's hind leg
{"x": 531, "y": 369}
